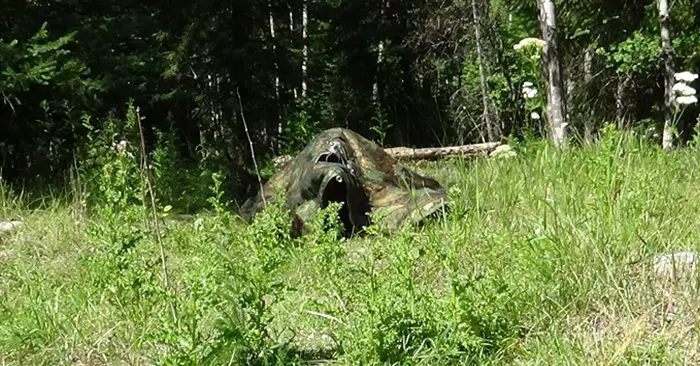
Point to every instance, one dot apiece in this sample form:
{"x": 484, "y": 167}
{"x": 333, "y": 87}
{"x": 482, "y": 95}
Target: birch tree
{"x": 482, "y": 75}
{"x": 667, "y": 55}
{"x": 380, "y": 57}
{"x": 556, "y": 102}
{"x": 277, "y": 75}
{"x": 305, "y": 49}
{"x": 587, "y": 79}
{"x": 291, "y": 33}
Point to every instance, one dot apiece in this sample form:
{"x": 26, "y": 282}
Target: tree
{"x": 556, "y": 102}
{"x": 411, "y": 73}
{"x": 667, "y": 56}
{"x": 305, "y": 52}
{"x": 482, "y": 74}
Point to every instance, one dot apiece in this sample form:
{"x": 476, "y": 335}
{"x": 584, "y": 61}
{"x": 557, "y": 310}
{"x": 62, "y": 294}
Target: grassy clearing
{"x": 543, "y": 259}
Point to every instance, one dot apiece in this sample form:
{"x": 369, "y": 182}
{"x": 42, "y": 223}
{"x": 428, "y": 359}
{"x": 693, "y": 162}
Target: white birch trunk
{"x": 274, "y": 47}
{"x": 305, "y": 49}
{"x": 556, "y": 102}
{"x": 491, "y": 133}
{"x": 588, "y": 65}
{"x": 375, "y": 85}
{"x": 589, "y": 123}
{"x": 277, "y": 78}
{"x": 380, "y": 58}
{"x": 291, "y": 31}
{"x": 667, "y": 55}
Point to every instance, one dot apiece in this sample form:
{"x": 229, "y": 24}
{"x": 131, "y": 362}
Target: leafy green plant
{"x": 120, "y": 236}
{"x": 254, "y": 286}
{"x": 380, "y": 125}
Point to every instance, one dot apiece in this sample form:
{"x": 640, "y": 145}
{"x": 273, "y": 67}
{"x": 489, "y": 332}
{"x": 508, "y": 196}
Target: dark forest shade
{"x": 400, "y": 73}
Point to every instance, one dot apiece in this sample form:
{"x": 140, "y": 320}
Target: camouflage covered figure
{"x": 339, "y": 165}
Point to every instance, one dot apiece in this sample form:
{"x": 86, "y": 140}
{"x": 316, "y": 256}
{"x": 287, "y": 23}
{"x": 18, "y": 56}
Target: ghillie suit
{"x": 339, "y": 165}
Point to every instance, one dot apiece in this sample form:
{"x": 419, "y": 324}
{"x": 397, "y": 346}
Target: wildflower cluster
{"x": 529, "y": 42}
{"x": 503, "y": 152}
{"x": 530, "y": 48}
{"x": 529, "y": 90}
{"x": 121, "y": 148}
{"x": 685, "y": 94}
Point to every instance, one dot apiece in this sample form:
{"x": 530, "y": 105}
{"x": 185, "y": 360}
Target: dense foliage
{"x": 399, "y": 72}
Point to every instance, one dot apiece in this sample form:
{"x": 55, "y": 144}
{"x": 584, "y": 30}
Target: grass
{"x": 543, "y": 259}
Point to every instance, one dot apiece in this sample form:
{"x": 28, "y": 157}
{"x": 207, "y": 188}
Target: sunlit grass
{"x": 542, "y": 259}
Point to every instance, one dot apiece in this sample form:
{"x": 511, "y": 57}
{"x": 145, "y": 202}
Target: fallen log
{"x": 428, "y": 153}
{"x": 406, "y": 153}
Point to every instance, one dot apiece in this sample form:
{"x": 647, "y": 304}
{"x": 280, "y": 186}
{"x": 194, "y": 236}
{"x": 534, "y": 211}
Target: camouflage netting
{"x": 339, "y": 165}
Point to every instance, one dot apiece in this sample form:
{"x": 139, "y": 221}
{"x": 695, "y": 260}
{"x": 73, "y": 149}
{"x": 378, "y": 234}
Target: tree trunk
{"x": 375, "y": 85}
{"x": 588, "y": 65}
{"x": 667, "y": 55}
{"x": 589, "y": 122}
{"x": 277, "y": 80}
{"x": 621, "y": 101}
{"x": 556, "y": 102}
{"x": 380, "y": 57}
{"x": 482, "y": 75}
{"x": 305, "y": 49}
{"x": 291, "y": 35}
{"x": 274, "y": 47}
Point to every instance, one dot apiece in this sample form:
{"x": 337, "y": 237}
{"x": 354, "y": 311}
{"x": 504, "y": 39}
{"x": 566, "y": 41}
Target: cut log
{"x": 405, "y": 153}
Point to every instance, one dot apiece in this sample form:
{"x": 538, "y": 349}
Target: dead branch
{"x": 152, "y": 195}
{"x": 250, "y": 143}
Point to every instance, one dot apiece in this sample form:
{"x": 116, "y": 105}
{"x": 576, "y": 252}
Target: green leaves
{"x": 36, "y": 61}
{"x": 638, "y": 54}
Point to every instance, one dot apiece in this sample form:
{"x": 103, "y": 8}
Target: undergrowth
{"x": 542, "y": 259}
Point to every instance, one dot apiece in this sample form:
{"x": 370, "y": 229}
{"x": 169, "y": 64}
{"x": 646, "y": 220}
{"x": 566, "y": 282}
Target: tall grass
{"x": 542, "y": 259}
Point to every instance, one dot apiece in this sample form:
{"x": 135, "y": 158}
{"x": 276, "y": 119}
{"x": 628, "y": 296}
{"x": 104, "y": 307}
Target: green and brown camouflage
{"x": 339, "y": 165}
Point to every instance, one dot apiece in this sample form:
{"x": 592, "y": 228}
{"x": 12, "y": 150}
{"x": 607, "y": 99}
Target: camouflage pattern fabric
{"x": 339, "y": 165}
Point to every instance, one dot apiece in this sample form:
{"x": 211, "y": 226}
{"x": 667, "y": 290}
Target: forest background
{"x": 402, "y": 73}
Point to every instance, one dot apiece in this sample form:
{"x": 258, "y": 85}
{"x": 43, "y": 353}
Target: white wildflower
{"x": 535, "y": 115}
{"x": 687, "y": 99}
{"x": 121, "y": 146}
{"x": 529, "y": 93}
{"x": 529, "y": 90}
{"x": 683, "y": 89}
{"x": 686, "y": 76}
{"x": 527, "y": 42}
{"x": 538, "y": 231}
{"x": 503, "y": 151}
